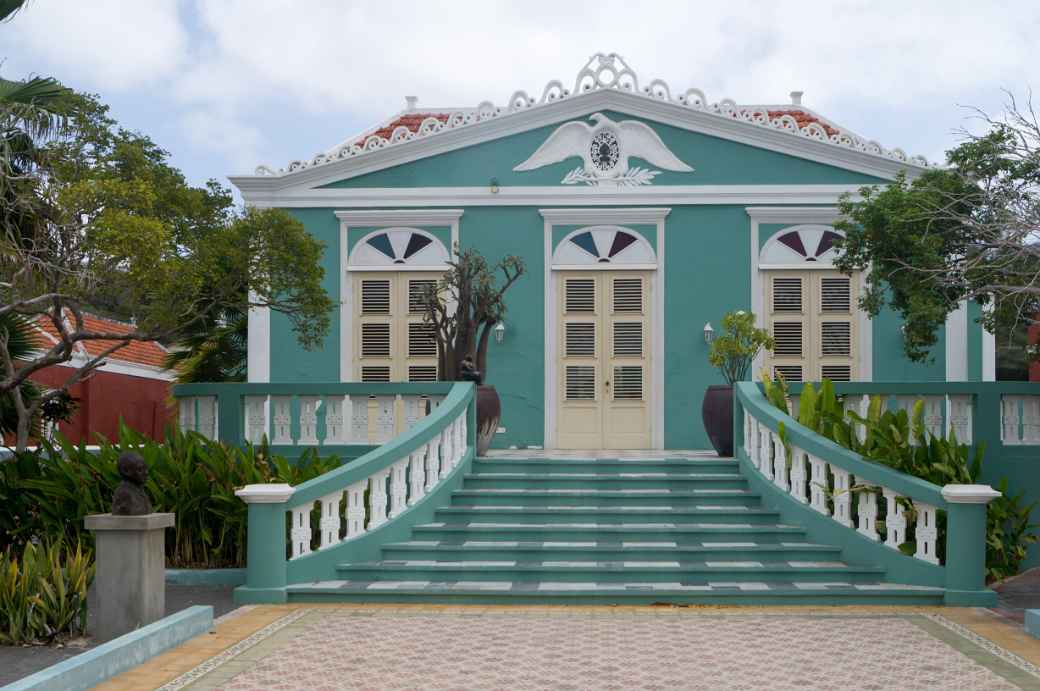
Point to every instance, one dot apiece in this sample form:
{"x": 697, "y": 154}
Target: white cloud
{"x": 101, "y": 44}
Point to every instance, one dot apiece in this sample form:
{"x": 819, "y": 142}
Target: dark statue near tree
{"x": 469, "y": 372}
{"x": 130, "y": 499}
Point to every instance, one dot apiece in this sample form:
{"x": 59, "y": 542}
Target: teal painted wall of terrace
{"x": 715, "y": 161}
{"x": 290, "y": 362}
{"x": 890, "y": 361}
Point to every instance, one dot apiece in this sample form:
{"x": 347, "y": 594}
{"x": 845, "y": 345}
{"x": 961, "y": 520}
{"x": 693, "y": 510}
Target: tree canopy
{"x": 966, "y": 231}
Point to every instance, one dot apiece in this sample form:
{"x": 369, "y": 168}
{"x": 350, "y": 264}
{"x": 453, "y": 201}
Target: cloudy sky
{"x": 225, "y": 85}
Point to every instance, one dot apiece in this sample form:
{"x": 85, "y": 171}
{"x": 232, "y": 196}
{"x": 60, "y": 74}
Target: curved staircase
{"x": 610, "y": 531}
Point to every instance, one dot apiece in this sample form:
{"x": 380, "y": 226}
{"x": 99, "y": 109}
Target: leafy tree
{"x": 465, "y": 305}
{"x": 216, "y": 351}
{"x": 969, "y": 231}
{"x": 103, "y": 223}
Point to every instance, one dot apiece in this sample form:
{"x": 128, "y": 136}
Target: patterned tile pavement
{"x": 366, "y": 647}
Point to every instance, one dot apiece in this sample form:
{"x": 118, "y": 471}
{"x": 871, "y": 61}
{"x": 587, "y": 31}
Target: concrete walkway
{"x": 456, "y": 647}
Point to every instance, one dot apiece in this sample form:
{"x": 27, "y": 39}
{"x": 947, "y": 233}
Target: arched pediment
{"x": 802, "y": 246}
{"x": 400, "y": 248}
{"x": 604, "y": 246}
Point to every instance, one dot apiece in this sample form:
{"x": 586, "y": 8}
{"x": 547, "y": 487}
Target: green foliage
{"x": 735, "y": 349}
{"x": 215, "y": 351}
{"x": 900, "y": 441}
{"x": 45, "y": 494}
{"x": 43, "y": 592}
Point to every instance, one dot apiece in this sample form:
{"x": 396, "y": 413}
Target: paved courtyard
{"x": 441, "y": 647}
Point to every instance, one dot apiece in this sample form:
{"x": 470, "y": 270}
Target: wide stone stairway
{"x": 636, "y": 531}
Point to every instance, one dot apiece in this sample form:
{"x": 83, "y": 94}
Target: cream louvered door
{"x": 391, "y": 341}
{"x": 603, "y": 360}
{"x": 812, "y": 321}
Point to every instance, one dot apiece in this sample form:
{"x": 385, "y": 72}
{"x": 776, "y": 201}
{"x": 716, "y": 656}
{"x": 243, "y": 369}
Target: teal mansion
{"x": 643, "y": 215}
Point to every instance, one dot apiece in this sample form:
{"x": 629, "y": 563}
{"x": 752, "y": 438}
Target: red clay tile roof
{"x": 803, "y": 119}
{"x": 411, "y": 120}
{"x": 149, "y": 353}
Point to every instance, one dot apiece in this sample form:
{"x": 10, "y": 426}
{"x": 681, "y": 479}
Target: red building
{"x": 131, "y": 384}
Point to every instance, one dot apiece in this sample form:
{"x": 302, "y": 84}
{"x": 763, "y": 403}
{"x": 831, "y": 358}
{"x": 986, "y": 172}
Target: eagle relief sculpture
{"x": 605, "y": 147}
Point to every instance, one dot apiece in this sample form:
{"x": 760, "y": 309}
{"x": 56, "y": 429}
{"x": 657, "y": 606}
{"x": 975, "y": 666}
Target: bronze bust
{"x": 130, "y": 499}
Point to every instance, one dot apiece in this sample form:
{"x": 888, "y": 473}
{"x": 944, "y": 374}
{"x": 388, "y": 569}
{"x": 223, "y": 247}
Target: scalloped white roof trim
{"x": 603, "y": 71}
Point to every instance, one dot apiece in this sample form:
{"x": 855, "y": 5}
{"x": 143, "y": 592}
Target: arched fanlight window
{"x": 806, "y": 245}
{"x": 404, "y": 248}
{"x": 605, "y": 245}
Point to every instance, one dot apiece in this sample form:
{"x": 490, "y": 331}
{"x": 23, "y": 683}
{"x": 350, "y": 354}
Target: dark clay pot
{"x": 489, "y": 413}
{"x": 717, "y": 413}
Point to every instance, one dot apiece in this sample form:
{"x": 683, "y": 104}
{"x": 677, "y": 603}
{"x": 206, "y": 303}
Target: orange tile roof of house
{"x": 148, "y": 353}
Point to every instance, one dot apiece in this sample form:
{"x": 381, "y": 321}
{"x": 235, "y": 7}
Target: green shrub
{"x": 43, "y": 593}
{"x": 900, "y": 441}
{"x": 45, "y": 494}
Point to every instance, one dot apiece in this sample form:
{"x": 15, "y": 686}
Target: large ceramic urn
{"x": 489, "y": 414}
{"x": 717, "y": 414}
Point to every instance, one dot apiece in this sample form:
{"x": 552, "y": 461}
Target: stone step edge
{"x": 874, "y": 591}
{"x": 621, "y": 527}
{"x": 601, "y": 568}
{"x": 618, "y": 477}
{"x": 495, "y": 545}
{"x": 610, "y": 510}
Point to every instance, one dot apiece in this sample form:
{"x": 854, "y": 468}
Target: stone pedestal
{"x": 130, "y": 583}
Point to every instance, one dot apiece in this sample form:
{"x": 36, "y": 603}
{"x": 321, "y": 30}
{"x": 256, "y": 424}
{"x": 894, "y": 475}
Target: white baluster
{"x": 779, "y": 463}
{"x": 958, "y": 415}
{"x": 926, "y": 533}
{"x": 358, "y": 419}
{"x": 309, "y": 419}
{"x": 301, "y": 530}
{"x": 867, "y": 514}
{"x": 186, "y": 417}
{"x": 377, "y": 498}
{"x": 417, "y": 476}
{"x": 818, "y": 485}
{"x": 433, "y": 463}
{"x": 356, "y": 508}
{"x": 765, "y": 451}
{"x": 895, "y": 520}
{"x": 447, "y": 452}
{"x": 384, "y": 430}
{"x": 932, "y": 415}
{"x": 256, "y": 418}
{"x": 335, "y": 430}
{"x": 747, "y": 433}
{"x": 1009, "y": 419}
{"x": 330, "y": 519}
{"x": 752, "y": 440}
{"x": 398, "y": 487}
{"x": 460, "y": 442}
{"x": 208, "y": 417}
{"x": 859, "y": 405}
{"x": 463, "y": 437}
{"x": 798, "y": 475}
{"x": 282, "y": 417}
{"x": 842, "y": 497}
{"x": 414, "y": 410}
{"x": 1031, "y": 419}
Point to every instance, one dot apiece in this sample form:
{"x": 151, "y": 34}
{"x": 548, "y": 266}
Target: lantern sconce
{"x": 709, "y": 333}
{"x": 493, "y": 184}
{"x": 500, "y": 332}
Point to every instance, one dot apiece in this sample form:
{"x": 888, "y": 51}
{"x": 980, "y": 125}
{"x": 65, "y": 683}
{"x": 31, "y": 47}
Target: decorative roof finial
{"x": 411, "y": 101}
{"x": 796, "y": 98}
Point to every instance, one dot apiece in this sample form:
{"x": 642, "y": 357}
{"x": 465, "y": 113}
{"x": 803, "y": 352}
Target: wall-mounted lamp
{"x": 500, "y": 332}
{"x": 709, "y": 333}
{"x": 494, "y": 185}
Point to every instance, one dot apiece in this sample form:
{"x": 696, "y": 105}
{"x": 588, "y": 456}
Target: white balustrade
{"x": 398, "y": 487}
{"x": 329, "y": 522}
{"x": 779, "y": 463}
{"x": 281, "y": 414}
{"x": 447, "y": 452}
{"x": 798, "y": 476}
{"x": 818, "y": 485}
{"x": 356, "y": 508}
{"x": 256, "y": 418}
{"x": 859, "y": 405}
{"x": 867, "y": 512}
{"x": 198, "y": 414}
{"x": 309, "y": 420}
{"x": 959, "y": 417}
{"x": 433, "y": 463}
{"x": 842, "y": 496}
{"x": 337, "y": 412}
{"x": 765, "y": 452}
{"x": 926, "y": 533}
{"x": 300, "y": 533}
{"x": 1020, "y": 419}
{"x": 377, "y": 498}
{"x": 895, "y": 520}
{"x": 416, "y": 476}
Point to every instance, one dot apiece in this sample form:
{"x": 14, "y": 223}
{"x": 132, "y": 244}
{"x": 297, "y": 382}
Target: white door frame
{"x": 616, "y": 217}
{"x": 793, "y": 216}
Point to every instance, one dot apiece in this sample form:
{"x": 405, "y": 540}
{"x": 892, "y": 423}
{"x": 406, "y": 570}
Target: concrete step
{"x": 687, "y": 573}
{"x": 608, "y": 551}
{"x": 597, "y": 514}
{"x": 604, "y": 466}
{"x": 605, "y": 497}
{"x": 634, "y": 593}
{"x": 619, "y": 481}
{"x": 682, "y": 533}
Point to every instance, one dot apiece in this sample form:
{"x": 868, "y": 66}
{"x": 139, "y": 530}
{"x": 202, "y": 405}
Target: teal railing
{"x": 811, "y": 481}
{"x": 426, "y": 436}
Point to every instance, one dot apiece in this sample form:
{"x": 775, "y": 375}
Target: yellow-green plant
{"x": 43, "y": 592}
{"x": 735, "y": 349}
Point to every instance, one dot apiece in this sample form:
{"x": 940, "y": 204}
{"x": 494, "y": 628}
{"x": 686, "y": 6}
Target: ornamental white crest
{"x": 605, "y": 148}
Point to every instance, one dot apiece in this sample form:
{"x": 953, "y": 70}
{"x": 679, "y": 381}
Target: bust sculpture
{"x": 468, "y": 371}
{"x": 130, "y": 499}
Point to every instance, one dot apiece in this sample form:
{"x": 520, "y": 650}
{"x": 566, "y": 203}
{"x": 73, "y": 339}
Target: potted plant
{"x": 463, "y": 308}
{"x": 732, "y": 352}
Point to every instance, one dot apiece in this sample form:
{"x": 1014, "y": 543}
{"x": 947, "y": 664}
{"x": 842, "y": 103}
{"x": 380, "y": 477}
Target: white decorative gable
{"x": 605, "y": 149}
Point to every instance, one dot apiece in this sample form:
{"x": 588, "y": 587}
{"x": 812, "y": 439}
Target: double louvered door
{"x": 603, "y": 360}
{"x": 391, "y": 341}
{"x": 813, "y": 323}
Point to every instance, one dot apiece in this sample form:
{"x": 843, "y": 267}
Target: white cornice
{"x": 547, "y": 196}
{"x": 676, "y": 115}
{"x": 623, "y": 215}
{"x": 383, "y": 217}
{"x": 793, "y": 214}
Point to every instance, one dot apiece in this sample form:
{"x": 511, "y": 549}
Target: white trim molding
{"x": 957, "y": 343}
{"x": 258, "y": 345}
{"x": 535, "y": 195}
{"x": 378, "y": 219}
{"x": 613, "y": 217}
